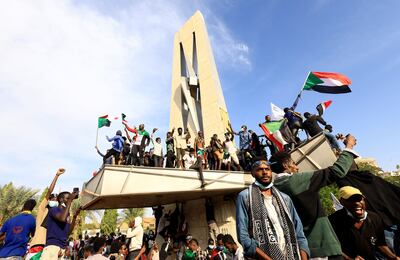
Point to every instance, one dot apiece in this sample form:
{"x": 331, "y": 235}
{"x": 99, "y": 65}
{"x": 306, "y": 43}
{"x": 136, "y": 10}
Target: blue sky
{"x": 64, "y": 63}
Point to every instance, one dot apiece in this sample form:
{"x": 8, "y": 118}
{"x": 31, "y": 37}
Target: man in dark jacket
{"x": 360, "y": 231}
{"x": 311, "y": 126}
{"x": 304, "y": 189}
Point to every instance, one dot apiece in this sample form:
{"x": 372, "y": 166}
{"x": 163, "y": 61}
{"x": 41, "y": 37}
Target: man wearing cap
{"x": 304, "y": 189}
{"x": 267, "y": 223}
{"x": 360, "y": 232}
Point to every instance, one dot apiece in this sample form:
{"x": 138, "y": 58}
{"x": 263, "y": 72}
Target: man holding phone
{"x": 59, "y": 225}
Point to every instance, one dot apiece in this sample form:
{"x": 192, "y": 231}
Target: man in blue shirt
{"x": 59, "y": 226}
{"x": 267, "y": 223}
{"x": 117, "y": 145}
{"x": 17, "y": 231}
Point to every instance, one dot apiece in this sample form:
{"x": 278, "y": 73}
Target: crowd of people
{"x": 182, "y": 150}
{"x": 279, "y": 216}
{"x": 185, "y": 150}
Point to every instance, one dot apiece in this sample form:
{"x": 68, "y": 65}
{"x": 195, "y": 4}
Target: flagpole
{"x": 97, "y": 135}
{"x": 301, "y": 91}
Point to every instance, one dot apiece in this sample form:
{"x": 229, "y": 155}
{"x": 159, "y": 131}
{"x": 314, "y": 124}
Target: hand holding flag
{"x": 322, "y": 106}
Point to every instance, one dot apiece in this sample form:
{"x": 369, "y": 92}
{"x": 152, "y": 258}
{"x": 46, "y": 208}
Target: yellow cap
{"x": 347, "y": 191}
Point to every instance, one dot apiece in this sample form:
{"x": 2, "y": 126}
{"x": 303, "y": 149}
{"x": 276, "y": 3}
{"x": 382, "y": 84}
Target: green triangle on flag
{"x": 311, "y": 81}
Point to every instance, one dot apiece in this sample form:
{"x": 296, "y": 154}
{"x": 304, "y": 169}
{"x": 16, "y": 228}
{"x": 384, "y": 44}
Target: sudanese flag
{"x": 327, "y": 82}
{"x": 103, "y": 121}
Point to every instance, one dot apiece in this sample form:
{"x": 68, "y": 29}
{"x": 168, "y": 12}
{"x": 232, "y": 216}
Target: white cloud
{"x": 62, "y": 65}
{"x": 230, "y": 51}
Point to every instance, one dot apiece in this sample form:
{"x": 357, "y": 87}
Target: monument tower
{"x": 197, "y": 101}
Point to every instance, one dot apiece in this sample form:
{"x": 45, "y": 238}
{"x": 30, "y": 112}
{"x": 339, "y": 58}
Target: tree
{"x": 369, "y": 167}
{"x": 12, "y": 199}
{"x": 128, "y": 215}
{"x": 109, "y": 221}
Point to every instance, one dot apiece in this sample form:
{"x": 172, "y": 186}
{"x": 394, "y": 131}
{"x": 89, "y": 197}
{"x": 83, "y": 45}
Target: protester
{"x": 58, "y": 226}
{"x": 140, "y": 142}
{"x": 219, "y": 252}
{"x": 210, "y": 248}
{"x": 217, "y": 150}
{"x": 189, "y": 158}
{"x": 333, "y": 141}
{"x": 98, "y": 247}
{"x": 117, "y": 145}
{"x": 183, "y": 248}
{"x": 256, "y": 147}
{"x": 38, "y": 241}
{"x": 304, "y": 189}
{"x": 16, "y": 232}
{"x": 154, "y": 253}
{"x": 276, "y": 230}
{"x": 211, "y": 222}
{"x": 106, "y": 160}
{"x": 158, "y": 151}
{"x": 181, "y": 145}
{"x": 126, "y": 150}
{"x": 360, "y": 232}
{"x": 311, "y": 126}
{"x": 233, "y": 248}
{"x": 230, "y": 148}
{"x": 295, "y": 120}
{"x": 88, "y": 251}
{"x": 195, "y": 251}
{"x": 169, "y": 141}
{"x": 135, "y": 234}
{"x": 199, "y": 145}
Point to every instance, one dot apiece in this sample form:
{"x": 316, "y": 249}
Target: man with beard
{"x": 360, "y": 232}
{"x": 304, "y": 187}
{"x": 267, "y": 223}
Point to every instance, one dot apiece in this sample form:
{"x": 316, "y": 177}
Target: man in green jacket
{"x": 304, "y": 188}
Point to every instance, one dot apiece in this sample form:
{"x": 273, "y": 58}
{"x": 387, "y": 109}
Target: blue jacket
{"x": 242, "y": 224}
{"x": 118, "y": 143}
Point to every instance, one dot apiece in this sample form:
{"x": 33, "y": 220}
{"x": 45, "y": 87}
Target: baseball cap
{"x": 347, "y": 191}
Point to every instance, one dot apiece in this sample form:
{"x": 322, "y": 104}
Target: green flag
{"x": 103, "y": 121}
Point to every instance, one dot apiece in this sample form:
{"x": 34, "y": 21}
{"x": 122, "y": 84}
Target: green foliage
{"x": 128, "y": 215}
{"x": 365, "y": 166}
{"x": 109, "y": 221}
{"x": 325, "y": 194}
{"x": 12, "y": 199}
{"x": 393, "y": 180}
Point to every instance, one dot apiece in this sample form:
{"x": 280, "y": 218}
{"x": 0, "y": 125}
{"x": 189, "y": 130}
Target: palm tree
{"x": 128, "y": 215}
{"x": 12, "y": 199}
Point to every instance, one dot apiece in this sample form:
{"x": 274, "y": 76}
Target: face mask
{"x": 220, "y": 248}
{"x": 53, "y": 204}
{"x": 263, "y": 187}
{"x": 63, "y": 204}
{"x": 211, "y": 246}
